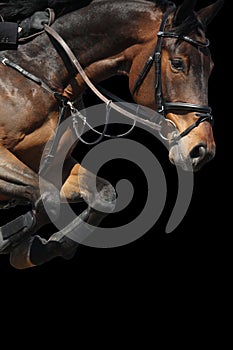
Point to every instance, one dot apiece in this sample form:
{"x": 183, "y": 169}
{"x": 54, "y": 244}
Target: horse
{"x": 161, "y": 48}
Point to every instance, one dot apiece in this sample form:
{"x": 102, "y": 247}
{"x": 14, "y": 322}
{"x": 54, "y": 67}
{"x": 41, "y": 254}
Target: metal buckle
{"x": 168, "y": 132}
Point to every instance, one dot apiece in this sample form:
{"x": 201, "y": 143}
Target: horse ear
{"x": 183, "y": 11}
{"x": 207, "y": 14}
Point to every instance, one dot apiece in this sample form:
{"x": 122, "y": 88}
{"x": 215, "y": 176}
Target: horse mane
{"x": 17, "y": 10}
{"x": 189, "y": 24}
{"x": 160, "y": 3}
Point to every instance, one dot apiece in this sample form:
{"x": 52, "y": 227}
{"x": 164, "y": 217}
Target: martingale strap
{"x": 47, "y": 160}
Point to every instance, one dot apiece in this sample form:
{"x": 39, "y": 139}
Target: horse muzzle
{"x": 193, "y": 159}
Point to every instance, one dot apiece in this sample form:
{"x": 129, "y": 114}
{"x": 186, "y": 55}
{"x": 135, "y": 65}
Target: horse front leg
{"x": 80, "y": 184}
{"x": 18, "y": 182}
{"x": 97, "y": 192}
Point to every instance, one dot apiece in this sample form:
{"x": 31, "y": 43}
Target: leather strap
{"x": 191, "y": 41}
{"x": 32, "y": 36}
{"x": 185, "y": 106}
{"x": 80, "y": 70}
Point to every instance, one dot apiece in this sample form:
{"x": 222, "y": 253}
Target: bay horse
{"x": 161, "y": 48}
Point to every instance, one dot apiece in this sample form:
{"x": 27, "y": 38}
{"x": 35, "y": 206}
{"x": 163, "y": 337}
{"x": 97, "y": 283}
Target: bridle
{"x": 203, "y": 112}
{"x": 163, "y": 107}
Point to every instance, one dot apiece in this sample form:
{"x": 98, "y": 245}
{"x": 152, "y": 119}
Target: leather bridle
{"x": 163, "y": 107}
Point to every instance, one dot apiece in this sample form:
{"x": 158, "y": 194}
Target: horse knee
{"x": 49, "y": 203}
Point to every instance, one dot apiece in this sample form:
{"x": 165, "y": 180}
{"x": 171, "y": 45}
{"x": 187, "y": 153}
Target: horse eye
{"x": 177, "y": 64}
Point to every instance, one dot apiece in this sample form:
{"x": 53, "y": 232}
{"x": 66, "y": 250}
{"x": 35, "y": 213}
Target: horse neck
{"x": 100, "y": 31}
{"x": 106, "y": 28}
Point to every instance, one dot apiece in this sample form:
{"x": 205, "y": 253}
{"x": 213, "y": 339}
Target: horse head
{"x": 183, "y": 65}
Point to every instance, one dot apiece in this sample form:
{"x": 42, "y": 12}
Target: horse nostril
{"x": 198, "y": 152}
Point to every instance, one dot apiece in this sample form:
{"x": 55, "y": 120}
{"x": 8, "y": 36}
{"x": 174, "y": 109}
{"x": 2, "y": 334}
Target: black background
{"x": 196, "y": 252}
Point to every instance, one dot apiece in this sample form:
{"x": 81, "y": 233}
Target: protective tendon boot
{"x": 37, "y": 251}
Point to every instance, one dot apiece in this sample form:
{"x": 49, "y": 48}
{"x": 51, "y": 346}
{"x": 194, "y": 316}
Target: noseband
{"x": 163, "y": 107}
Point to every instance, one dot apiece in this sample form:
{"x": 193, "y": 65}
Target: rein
{"x": 81, "y": 71}
{"x": 64, "y": 104}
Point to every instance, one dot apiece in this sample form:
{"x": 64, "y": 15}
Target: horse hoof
{"x": 36, "y": 251}
{"x": 67, "y": 247}
{"x": 20, "y": 255}
{"x": 42, "y": 251}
